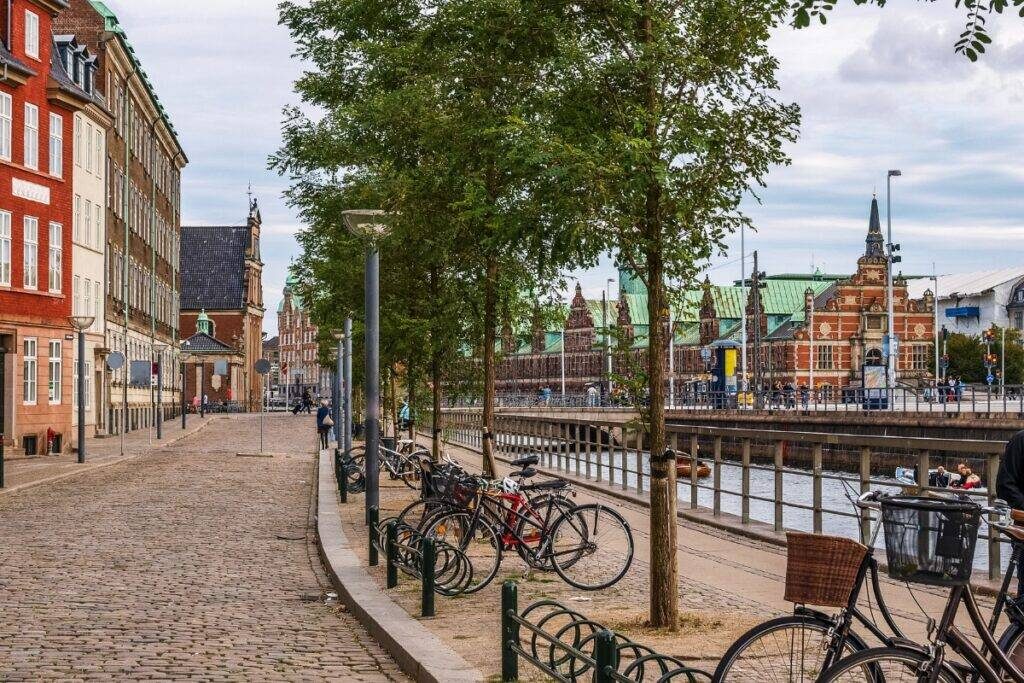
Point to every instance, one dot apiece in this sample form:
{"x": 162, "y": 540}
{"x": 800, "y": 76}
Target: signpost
{"x": 262, "y": 367}
{"x": 115, "y": 361}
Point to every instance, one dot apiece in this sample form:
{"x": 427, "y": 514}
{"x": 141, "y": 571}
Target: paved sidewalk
{"x": 189, "y": 563}
{"x": 22, "y": 472}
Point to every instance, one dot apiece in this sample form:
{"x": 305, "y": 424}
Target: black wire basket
{"x": 930, "y": 540}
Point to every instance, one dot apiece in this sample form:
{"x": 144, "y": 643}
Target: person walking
{"x": 307, "y": 401}
{"x": 324, "y": 422}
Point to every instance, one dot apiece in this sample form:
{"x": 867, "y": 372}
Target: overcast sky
{"x": 879, "y": 89}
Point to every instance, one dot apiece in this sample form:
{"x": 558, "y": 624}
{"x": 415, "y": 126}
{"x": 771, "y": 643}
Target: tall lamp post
{"x": 3, "y": 405}
{"x": 339, "y": 378}
{"x": 608, "y": 342}
{"x": 158, "y": 349}
{"x": 185, "y": 344}
{"x": 935, "y": 316}
{"x": 347, "y": 388}
{"x": 81, "y": 323}
{"x": 369, "y": 224}
{"x": 892, "y": 345}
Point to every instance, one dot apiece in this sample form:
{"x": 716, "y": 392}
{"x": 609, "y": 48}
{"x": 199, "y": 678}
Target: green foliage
{"x": 970, "y": 43}
{"x": 966, "y": 352}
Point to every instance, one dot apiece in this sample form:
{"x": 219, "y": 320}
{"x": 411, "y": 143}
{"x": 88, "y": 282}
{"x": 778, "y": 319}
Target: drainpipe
{"x": 126, "y": 213}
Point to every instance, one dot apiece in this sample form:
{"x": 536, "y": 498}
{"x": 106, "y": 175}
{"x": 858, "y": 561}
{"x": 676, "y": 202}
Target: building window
{"x": 78, "y": 142}
{"x": 99, "y": 156}
{"x": 32, "y": 34}
{"x": 6, "y": 125}
{"x": 30, "y": 276}
{"x": 920, "y": 357}
{"x": 29, "y": 366}
{"x": 98, "y": 227}
{"x": 1018, "y": 317}
{"x": 56, "y": 257}
{"x": 88, "y": 147}
{"x": 87, "y": 235}
{"x": 86, "y": 298}
{"x": 55, "y": 372}
{"x": 824, "y": 359}
{"x": 5, "y": 248}
{"x": 874, "y": 357}
{"x": 76, "y": 293}
{"x": 56, "y": 145}
{"x": 874, "y": 322}
{"x": 32, "y": 136}
{"x": 97, "y": 303}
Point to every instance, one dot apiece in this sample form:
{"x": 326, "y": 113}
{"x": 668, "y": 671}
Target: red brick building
{"x": 38, "y": 101}
{"x": 838, "y": 320}
{"x": 297, "y": 345}
{"x": 222, "y": 298}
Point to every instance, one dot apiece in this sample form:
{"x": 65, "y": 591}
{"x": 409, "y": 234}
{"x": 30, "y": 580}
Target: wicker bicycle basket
{"x": 822, "y": 570}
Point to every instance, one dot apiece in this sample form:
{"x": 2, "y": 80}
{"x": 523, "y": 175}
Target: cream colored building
{"x": 88, "y": 231}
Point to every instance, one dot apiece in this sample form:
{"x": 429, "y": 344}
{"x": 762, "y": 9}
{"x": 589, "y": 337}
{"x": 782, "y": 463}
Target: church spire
{"x": 875, "y": 242}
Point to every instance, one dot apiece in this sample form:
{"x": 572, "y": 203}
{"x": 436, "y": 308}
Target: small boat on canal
{"x": 684, "y": 464}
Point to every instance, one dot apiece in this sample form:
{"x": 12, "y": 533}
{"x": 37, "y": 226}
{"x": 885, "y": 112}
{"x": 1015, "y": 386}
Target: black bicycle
{"x": 798, "y": 647}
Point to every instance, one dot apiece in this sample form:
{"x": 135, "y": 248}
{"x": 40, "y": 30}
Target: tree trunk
{"x": 393, "y": 382}
{"x": 410, "y": 380}
{"x": 490, "y": 331}
{"x": 664, "y": 570}
{"x": 435, "y": 371}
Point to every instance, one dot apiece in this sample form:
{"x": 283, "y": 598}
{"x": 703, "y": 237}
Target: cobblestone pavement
{"x": 189, "y": 563}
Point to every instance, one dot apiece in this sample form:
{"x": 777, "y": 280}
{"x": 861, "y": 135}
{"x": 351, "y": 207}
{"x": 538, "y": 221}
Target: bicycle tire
{"x": 1012, "y": 643}
{"x": 884, "y": 664}
{"x": 476, "y": 538}
{"x": 597, "y": 519}
{"x": 734, "y": 666}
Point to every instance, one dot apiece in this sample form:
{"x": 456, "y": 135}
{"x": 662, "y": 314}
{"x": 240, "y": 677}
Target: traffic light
{"x": 988, "y": 336}
{"x": 945, "y": 333}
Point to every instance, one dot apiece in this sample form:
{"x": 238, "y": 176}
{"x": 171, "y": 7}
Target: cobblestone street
{"x": 189, "y": 562}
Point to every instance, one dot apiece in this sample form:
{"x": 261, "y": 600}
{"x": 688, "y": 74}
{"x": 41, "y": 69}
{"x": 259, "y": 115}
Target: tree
{"x": 966, "y": 353}
{"x": 673, "y": 103}
{"x": 971, "y": 43}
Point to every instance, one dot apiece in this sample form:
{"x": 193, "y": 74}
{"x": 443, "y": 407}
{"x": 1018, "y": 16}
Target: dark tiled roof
{"x": 59, "y": 74}
{"x": 8, "y": 59}
{"x": 272, "y": 343}
{"x": 200, "y": 342}
{"x": 213, "y": 267}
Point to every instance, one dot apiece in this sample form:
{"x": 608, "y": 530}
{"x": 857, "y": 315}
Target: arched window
{"x": 874, "y": 357}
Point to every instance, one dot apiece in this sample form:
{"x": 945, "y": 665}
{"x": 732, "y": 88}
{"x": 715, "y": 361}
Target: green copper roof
{"x": 115, "y": 27}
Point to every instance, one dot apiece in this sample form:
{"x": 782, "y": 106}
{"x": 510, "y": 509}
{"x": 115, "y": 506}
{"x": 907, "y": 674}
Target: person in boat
{"x": 939, "y": 478}
{"x": 970, "y": 479}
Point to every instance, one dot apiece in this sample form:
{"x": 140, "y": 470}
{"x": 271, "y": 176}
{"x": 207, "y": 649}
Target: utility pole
{"x": 756, "y": 320}
{"x": 743, "y": 318}
{"x": 892, "y": 345}
{"x": 607, "y": 351}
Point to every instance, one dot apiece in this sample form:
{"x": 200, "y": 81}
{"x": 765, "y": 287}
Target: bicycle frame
{"x": 507, "y": 518}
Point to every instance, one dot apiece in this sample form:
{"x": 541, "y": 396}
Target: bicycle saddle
{"x": 549, "y": 484}
{"x": 526, "y": 461}
{"x": 526, "y": 472}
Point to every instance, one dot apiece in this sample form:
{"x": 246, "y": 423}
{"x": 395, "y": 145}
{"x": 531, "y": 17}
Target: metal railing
{"x": 978, "y": 400}
{"x": 567, "y": 646}
{"x": 789, "y": 480}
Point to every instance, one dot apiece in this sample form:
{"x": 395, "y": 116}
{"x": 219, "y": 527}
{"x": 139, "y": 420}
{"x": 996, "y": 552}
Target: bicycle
{"x": 798, "y": 647}
{"x": 931, "y": 541}
{"x": 502, "y": 517}
{"x": 399, "y": 466}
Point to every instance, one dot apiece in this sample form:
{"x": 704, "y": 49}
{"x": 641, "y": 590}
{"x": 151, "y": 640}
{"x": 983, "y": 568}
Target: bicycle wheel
{"x": 591, "y": 547}
{"x": 1012, "y": 643}
{"x": 531, "y": 528}
{"x": 788, "y": 649}
{"x": 355, "y": 469}
{"x": 884, "y": 665}
{"x": 475, "y": 538}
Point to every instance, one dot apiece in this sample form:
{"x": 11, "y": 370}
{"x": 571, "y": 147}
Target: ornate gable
{"x": 708, "y": 315}
{"x": 579, "y": 327}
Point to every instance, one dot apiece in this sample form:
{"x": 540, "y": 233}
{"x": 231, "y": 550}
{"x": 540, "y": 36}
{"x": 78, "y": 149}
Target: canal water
{"x": 837, "y": 488}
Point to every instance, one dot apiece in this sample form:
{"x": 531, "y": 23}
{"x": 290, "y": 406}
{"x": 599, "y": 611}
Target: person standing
{"x": 324, "y": 422}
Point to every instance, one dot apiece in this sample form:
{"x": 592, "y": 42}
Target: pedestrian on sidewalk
{"x": 324, "y": 422}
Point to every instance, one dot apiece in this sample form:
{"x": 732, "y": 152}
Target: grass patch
{"x": 689, "y": 623}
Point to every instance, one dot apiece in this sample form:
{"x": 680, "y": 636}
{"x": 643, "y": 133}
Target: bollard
{"x": 606, "y": 656}
{"x": 374, "y": 515}
{"x": 428, "y": 559}
{"x": 509, "y": 631}
{"x": 391, "y": 539}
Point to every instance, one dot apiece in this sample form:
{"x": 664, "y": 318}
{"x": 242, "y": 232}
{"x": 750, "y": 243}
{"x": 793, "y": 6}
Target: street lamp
{"x": 339, "y": 372}
{"x": 81, "y": 323}
{"x": 158, "y": 351}
{"x": 370, "y": 225}
{"x": 608, "y": 342}
{"x": 892, "y": 345}
{"x": 185, "y": 346}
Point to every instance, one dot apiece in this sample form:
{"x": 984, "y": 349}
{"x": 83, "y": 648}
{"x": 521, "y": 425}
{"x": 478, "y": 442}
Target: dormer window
{"x": 32, "y": 34}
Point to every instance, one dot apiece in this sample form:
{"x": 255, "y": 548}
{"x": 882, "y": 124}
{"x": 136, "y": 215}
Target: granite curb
{"x": 420, "y": 653}
{"x": 100, "y": 465}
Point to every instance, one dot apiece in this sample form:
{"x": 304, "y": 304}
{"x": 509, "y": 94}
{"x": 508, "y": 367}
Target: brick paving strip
{"x": 190, "y": 563}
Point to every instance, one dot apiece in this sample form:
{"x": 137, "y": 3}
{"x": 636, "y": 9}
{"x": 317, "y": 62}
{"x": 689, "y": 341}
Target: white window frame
{"x": 78, "y": 142}
{"x": 30, "y": 259}
{"x": 76, "y": 294}
{"x": 56, "y": 145}
{"x": 56, "y": 258}
{"x": 6, "y": 125}
{"x": 31, "y": 147}
{"x": 87, "y": 232}
{"x": 97, "y": 303}
{"x": 32, "y": 34}
{"x": 97, "y": 226}
{"x": 29, "y": 370}
{"x": 86, "y": 297}
{"x": 88, "y": 147}
{"x": 5, "y": 249}
{"x": 55, "y": 368}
